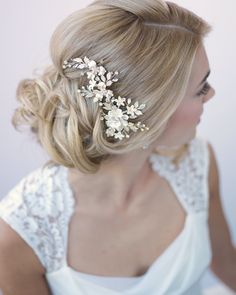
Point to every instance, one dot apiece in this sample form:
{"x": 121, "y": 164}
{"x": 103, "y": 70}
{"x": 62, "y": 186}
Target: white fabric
{"x": 40, "y": 206}
{"x": 219, "y": 289}
{"x": 116, "y": 283}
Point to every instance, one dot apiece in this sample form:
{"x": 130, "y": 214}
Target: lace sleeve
{"x": 30, "y": 211}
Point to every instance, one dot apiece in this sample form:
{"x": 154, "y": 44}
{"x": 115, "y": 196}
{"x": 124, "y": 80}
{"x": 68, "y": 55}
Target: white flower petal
{"x": 78, "y": 59}
{"x": 82, "y": 66}
{"x": 103, "y": 78}
{"x": 102, "y": 70}
{"x": 86, "y": 60}
{"x": 109, "y": 83}
{"x": 138, "y": 113}
{"x": 109, "y": 75}
{"x": 92, "y": 64}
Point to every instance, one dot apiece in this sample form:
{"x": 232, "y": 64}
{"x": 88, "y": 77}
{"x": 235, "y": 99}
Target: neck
{"x": 115, "y": 182}
{"x": 173, "y": 152}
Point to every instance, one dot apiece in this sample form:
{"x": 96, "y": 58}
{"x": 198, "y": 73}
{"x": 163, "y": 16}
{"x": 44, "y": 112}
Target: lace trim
{"x": 189, "y": 179}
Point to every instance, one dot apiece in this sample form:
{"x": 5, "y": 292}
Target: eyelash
{"x": 204, "y": 90}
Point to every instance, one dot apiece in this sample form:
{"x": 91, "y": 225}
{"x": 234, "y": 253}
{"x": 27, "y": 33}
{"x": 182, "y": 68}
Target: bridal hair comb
{"x": 117, "y": 112}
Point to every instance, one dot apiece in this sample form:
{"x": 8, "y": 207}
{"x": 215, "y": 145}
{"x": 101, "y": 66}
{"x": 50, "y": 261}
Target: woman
{"x": 123, "y": 205}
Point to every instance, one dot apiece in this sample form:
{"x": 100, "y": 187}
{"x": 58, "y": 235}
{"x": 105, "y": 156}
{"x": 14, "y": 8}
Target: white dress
{"x": 40, "y": 206}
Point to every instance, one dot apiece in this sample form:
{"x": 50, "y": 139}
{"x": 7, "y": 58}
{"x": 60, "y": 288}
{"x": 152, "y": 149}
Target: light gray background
{"x": 25, "y": 30}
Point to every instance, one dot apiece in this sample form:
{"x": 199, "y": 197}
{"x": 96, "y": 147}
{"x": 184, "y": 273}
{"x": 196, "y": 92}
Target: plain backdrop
{"x": 25, "y": 29}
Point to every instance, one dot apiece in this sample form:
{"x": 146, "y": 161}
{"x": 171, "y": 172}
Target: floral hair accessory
{"x": 116, "y": 112}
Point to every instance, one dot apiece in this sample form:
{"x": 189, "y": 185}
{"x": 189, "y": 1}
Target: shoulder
{"x": 11, "y": 244}
{"x": 208, "y": 156}
{"x": 213, "y": 176}
{"x": 20, "y": 270}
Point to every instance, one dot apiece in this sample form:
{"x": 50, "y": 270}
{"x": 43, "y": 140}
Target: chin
{"x": 194, "y": 135}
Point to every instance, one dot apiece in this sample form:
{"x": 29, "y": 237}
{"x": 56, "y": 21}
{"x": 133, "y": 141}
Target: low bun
{"x": 27, "y": 113}
{"x": 61, "y": 123}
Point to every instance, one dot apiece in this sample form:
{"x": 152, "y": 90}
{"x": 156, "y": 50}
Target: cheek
{"x": 182, "y": 126}
{"x": 186, "y": 116}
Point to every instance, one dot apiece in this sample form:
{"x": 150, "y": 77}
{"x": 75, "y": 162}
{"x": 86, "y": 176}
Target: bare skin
{"x": 125, "y": 241}
{"x": 120, "y": 223}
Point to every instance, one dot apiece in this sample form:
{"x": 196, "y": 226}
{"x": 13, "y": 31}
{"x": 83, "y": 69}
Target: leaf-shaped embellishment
{"x": 136, "y": 104}
{"x": 78, "y": 59}
{"x": 126, "y": 128}
{"x": 107, "y": 106}
{"x": 75, "y": 66}
{"x": 86, "y": 60}
{"x": 133, "y": 127}
{"x": 125, "y": 117}
{"x": 109, "y": 83}
{"x": 109, "y": 75}
{"x": 103, "y": 78}
{"x": 82, "y": 66}
{"x": 142, "y": 106}
{"x": 102, "y": 71}
{"x": 138, "y": 113}
{"x": 89, "y": 94}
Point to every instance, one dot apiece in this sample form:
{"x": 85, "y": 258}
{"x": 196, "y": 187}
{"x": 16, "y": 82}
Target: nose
{"x": 209, "y": 95}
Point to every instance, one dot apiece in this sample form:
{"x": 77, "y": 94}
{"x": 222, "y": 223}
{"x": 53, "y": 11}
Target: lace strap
{"x": 203, "y": 167}
{"x": 190, "y": 179}
{"x": 34, "y": 209}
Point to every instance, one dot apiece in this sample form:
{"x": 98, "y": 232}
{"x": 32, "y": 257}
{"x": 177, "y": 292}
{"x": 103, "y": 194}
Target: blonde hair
{"x": 151, "y": 43}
